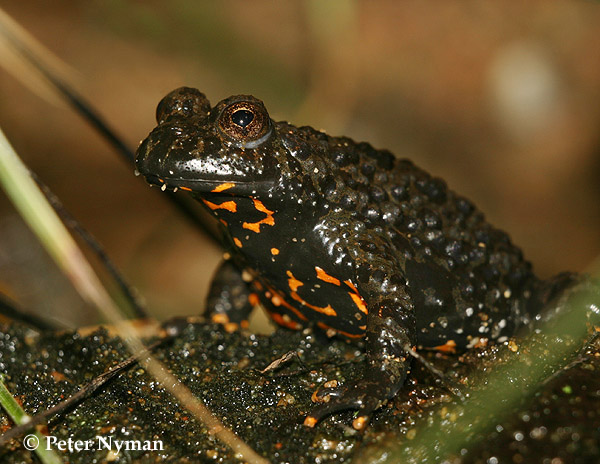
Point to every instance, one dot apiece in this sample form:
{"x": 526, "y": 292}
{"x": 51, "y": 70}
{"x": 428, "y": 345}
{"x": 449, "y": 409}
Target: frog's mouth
{"x": 203, "y": 186}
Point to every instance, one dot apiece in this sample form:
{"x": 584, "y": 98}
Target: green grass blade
{"x": 16, "y": 413}
{"x": 37, "y": 212}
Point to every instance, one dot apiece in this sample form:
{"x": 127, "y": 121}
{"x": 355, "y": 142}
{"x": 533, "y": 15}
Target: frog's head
{"x": 203, "y": 149}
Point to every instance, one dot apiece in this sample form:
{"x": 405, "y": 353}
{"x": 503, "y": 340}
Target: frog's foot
{"x": 228, "y": 325}
{"x": 388, "y": 360}
{"x": 230, "y": 300}
{"x": 175, "y": 325}
{"x": 363, "y": 395}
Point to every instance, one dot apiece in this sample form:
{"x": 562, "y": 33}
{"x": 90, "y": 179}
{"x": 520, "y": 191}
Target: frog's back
{"x": 466, "y": 277}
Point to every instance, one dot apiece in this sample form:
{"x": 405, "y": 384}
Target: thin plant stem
{"x": 16, "y": 413}
{"x": 42, "y": 219}
{"x": 77, "y": 397}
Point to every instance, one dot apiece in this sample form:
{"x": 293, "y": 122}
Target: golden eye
{"x": 245, "y": 122}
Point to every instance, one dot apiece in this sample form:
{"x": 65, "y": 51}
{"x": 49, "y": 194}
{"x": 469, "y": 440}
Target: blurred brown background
{"x": 502, "y": 99}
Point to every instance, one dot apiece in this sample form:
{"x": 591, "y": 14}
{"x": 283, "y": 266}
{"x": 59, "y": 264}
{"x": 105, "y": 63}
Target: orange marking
{"x": 482, "y": 343}
{"x": 294, "y": 310}
{"x": 274, "y": 251}
{"x": 281, "y": 301}
{"x": 187, "y": 189}
{"x": 283, "y": 322}
{"x": 220, "y": 318}
{"x": 327, "y": 310}
{"x": 293, "y": 282}
{"x": 230, "y": 206}
{"x": 360, "y": 422}
{"x": 257, "y": 285}
{"x": 448, "y": 347}
{"x": 231, "y": 327}
{"x": 254, "y": 227}
{"x": 359, "y": 302}
{"x": 253, "y": 299}
{"x": 276, "y": 300}
{"x": 341, "y": 332}
{"x": 223, "y": 221}
{"x": 349, "y": 335}
{"x": 322, "y": 275}
{"x": 223, "y": 319}
{"x": 57, "y": 376}
{"x": 310, "y": 421}
{"x": 237, "y": 242}
{"x": 221, "y": 187}
{"x": 314, "y": 398}
{"x": 351, "y": 285}
{"x": 269, "y": 220}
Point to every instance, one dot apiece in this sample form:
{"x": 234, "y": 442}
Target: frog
{"x": 352, "y": 241}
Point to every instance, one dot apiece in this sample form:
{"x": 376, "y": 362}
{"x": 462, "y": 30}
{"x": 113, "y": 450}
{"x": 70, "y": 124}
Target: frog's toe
{"x": 324, "y": 395}
{"x": 357, "y": 396}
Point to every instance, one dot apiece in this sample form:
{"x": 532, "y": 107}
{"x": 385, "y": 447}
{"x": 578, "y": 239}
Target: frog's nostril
{"x": 242, "y": 117}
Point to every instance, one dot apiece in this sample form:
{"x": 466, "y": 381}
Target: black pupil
{"x": 242, "y": 117}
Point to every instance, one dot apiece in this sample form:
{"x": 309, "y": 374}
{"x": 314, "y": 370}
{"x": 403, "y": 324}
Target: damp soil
{"x": 558, "y": 423}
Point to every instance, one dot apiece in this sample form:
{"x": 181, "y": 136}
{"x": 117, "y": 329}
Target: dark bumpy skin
{"x": 329, "y": 232}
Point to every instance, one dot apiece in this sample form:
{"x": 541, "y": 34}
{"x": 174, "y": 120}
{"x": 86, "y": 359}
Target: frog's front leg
{"x": 387, "y": 366}
{"x": 391, "y": 330}
{"x": 230, "y": 299}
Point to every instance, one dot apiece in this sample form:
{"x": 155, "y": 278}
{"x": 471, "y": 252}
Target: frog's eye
{"x": 242, "y": 117}
{"x": 245, "y": 122}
